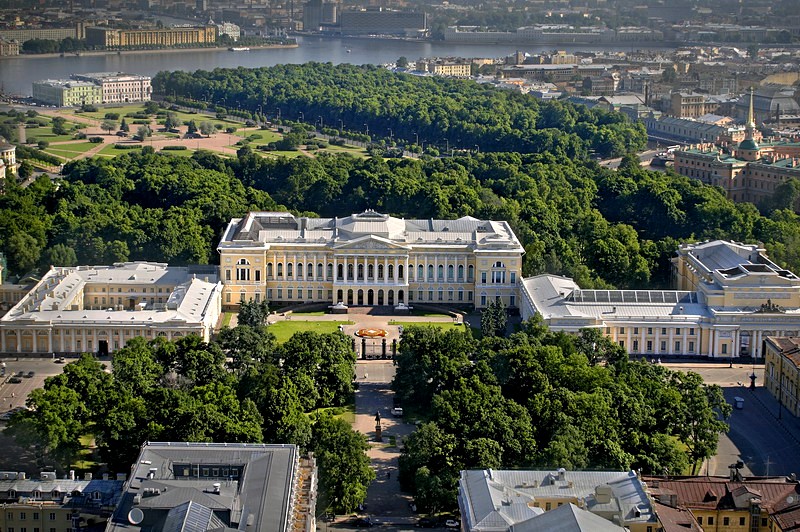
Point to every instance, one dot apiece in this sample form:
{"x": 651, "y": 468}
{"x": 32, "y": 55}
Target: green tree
{"x": 344, "y": 466}
{"x": 172, "y": 121}
{"x": 144, "y": 132}
{"x": 123, "y": 126}
{"x": 108, "y": 126}
{"x": 402, "y": 62}
{"x": 59, "y": 126}
{"x": 59, "y": 255}
{"x": 206, "y": 128}
{"x": 253, "y": 313}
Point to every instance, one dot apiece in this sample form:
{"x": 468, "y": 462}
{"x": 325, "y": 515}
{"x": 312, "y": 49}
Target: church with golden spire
{"x": 747, "y": 172}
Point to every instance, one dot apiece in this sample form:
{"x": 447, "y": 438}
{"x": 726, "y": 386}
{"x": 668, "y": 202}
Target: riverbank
{"x": 93, "y": 53}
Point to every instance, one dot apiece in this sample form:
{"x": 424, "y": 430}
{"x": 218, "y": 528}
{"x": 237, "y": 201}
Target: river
{"x": 17, "y": 74}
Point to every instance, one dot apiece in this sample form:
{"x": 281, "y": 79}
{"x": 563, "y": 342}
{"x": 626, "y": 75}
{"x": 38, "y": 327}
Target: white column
{"x": 2, "y": 341}
{"x": 62, "y": 340}
{"x": 685, "y": 340}
{"x": 35, "y": 343}
{"x": 628, "y": 340}
{"x": 396, "y": 265}
{"x": 386, "y": 272}
{"x": 735, "y": 350}
{"x": 642, "y": 344}
{"x": 712, "y": 347}
{"x": 74, "y": 334}
{"x": 19, "y": 340}
{"x": 756, "y": 349}
{"x": 671, "y": 341}
{"x": 657, "y": 345}
{"x": 50, "y": 340}
{"x": 83, "y": 338}
{"x": 375, "y": 273}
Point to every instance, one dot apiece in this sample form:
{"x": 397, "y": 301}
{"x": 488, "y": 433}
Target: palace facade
{"x": 369, "y": 259}
{"x": 99, "y": 308}
{"x": 729, "y": 298}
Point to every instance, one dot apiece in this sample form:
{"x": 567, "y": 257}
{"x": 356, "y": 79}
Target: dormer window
{"x": 56, "y": 494}
{"x": 12, "y": 494}
{"x": 36, "y": 494}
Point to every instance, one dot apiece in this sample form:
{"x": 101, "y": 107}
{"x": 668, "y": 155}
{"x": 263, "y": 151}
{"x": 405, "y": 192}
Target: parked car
{"x": 15, "y": 380}
{"x": 452, "y": 523}
{"x": 60, "y": 360}
{"x": 397, "y": 412}
{"x": 30, "y": 374}
{"x": 328, "y": 517}
{"x": 361, "y": 522}
{"x": 426, "y": 522}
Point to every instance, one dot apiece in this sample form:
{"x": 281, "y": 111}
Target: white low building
{"x": 731, "y": 297}
{"x": 99, "y": 308}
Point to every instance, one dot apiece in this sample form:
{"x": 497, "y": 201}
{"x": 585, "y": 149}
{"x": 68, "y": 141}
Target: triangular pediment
{"x": 369, "y": 242}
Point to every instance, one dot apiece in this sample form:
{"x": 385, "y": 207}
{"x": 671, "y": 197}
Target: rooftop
{"x": 195, "y": 487}
{"x": 267, "y": 228}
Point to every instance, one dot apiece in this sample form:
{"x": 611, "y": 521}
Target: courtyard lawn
{"x": 283, "y": 330}
{"x": 279, "y": 153}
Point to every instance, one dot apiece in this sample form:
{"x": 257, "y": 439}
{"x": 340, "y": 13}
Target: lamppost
{"x": 321, "y": 125}
{"x": 302, "y": 116}
{"x": 341, "y": 125}
{"x": 477, "y": 149}
{"x": 367, "y": 126}
{"x": 278, "y": 109}
{"x": 391, "y": 135}
{"x": 416, "y": 138}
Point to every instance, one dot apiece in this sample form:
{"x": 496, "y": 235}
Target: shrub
{"x": 126, "y": 146}
{"x": 175, "y": 148}
{"x": 95, "y": 140}
{"x": 112, "y": 116}
{"x": 145, "y": 122}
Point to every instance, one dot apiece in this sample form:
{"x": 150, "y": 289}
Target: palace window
{"x": 390, "y": 272}
{"x": 400, "y": 271}
{"x": 460, "y": 272}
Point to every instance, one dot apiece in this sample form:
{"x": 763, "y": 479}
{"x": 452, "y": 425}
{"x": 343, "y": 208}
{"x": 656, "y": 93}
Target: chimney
{"x": 87, "y": 476}
{"x": 72, "y": 474}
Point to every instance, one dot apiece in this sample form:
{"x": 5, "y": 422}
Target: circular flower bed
{"x": 371, "y": 333}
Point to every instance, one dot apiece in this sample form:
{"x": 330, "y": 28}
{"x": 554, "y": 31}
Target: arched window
{"x": 450, "y": 272}
{"x": 380, "y": 271}
{"x": 399, "y": 271}
{"x": 450, "y": 294}
{"x": 410, "y": 272}
{"x": 269, "y": 270}
{"x": 340, "y": 272}
{"x": 242, "y": 270}
{"x": 441, "y": 294}
{"x": 440, "y": 273}
{"x": 319, "y": 271}
{"x": 470, "y": 273}
{"x": 390, "y": 274}
{"x": 360, "y": 272}
{"x": 349, "y": 272}
{"x": 299, "y": 270}
{"x": 430, "y": 272}
{"x": 280, "y": 270}
{"x": 371, "y": 271}
{"x": 329, "y": 273}
{"x": 12, "y": 494}
{"x": 243, "y": 262}
{"x": 420, "y": 273}
{"x": 55, "y": 494}
{"x": 289, "y": 270}
{"x": 498, "y": 264}
{"x": 460, "y": 272}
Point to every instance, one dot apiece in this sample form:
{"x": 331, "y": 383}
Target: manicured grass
{"x": 347, "y": 413}
{"x": 352, "y": 150}
{"x": 71, "y": 150}
{"x": 283, "y": 330}
{"x": 278, "y": 153}
{"x": 110, "y": 149}
{"x": 226, "y": 319}
{"x": 446, "y": 325}
{"x": 313, "y": 313}
{"x": 46, "y": 133}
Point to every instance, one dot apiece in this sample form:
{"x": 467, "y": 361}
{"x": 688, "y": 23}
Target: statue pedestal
{"x": 378, "y": 435}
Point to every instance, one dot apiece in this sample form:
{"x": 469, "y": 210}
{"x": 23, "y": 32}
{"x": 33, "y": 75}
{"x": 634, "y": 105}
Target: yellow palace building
{"x": 369, "y": 259}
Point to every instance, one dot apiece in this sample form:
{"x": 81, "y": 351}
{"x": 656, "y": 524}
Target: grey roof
{"x": 265, "y": 228}
{"x": 567, "y": 518}
{"x": 560, "y": 297}
{"x": 256, "y": 493}
{"x": 53, "y": 299}
{"x": 502, "y": 500}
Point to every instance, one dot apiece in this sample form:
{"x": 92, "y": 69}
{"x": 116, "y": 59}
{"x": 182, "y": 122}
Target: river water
{"x": 17, "y": 75}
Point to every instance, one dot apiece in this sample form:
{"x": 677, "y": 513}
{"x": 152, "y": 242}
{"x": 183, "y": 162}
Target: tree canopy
{"x": 544, "y": 399}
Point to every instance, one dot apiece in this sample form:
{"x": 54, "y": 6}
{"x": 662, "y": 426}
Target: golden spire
{"x": 751, "y": 121}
